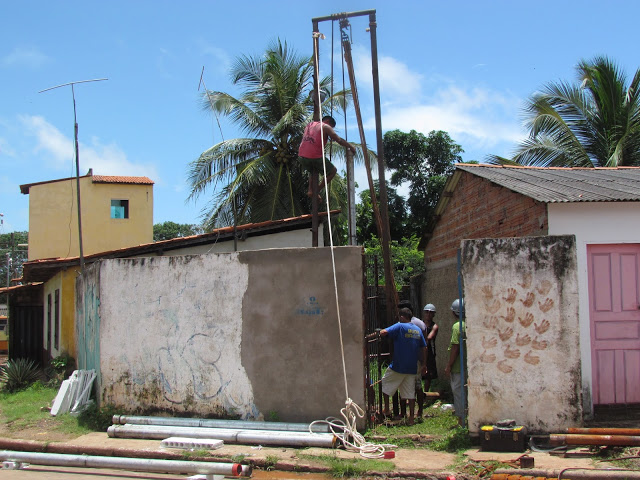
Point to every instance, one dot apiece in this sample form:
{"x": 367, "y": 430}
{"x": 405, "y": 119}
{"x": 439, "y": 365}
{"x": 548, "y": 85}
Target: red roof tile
{"x": 121, "y": 179}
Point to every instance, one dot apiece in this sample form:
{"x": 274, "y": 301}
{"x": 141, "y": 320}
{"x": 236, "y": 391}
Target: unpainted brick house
{"x": 599, "y": 209}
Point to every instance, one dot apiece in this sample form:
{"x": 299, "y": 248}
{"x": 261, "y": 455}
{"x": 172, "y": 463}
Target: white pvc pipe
{"x": 139, "y": 464}
{"x": 261, "y": 437}
{"x": 215, "y": 423}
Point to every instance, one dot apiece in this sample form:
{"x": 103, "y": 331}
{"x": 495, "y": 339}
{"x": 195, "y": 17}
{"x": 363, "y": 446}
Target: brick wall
{"x": 481, "y": 209}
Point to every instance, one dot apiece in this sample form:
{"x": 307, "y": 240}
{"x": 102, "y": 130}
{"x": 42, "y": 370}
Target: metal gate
{"x": 376, "y": 353}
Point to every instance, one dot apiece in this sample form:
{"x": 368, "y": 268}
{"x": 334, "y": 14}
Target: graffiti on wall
{"x": 178, "y": 348}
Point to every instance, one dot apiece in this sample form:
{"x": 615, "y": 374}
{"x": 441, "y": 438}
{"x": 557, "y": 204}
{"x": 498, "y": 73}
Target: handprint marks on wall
{"x": 490, "y": 323}
{"x": 543, "y": 327}
{"x": 507, "y": 340}
{"x": 531, "y": 359}
{"x": 510, "y": 316}
{"x": 539, "y": 344}
{"x": 487, "y": 357}
{"x": 528, "y": 301}
{"x": 493, "y": 306}
{"x": 504, "y": 367}
{"x": 544, "y": 287}
{"x": 511, "y": 295}
{"x": 546, "y": 306}
{"x": 527, "y": 320}
{"x": 505, "y": 334}
{"x": 490, "y": 343}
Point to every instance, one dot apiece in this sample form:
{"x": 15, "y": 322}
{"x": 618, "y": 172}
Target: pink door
{"x": 614, "y": 310}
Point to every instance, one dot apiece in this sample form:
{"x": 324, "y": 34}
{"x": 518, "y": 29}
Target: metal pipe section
{"x": 575, "y": 439}
{"x": 604, "y": 431}
{"x": 576, "y": 474}
{"x": 144, "y": 465}
{"x": 246, "y": 437}
{"x": 214, "y": 423}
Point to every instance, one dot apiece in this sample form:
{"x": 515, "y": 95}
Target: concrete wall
{"x": 593, "y": 223}
{"x": 246, "y": 333}
{"x": 521, "y": 299}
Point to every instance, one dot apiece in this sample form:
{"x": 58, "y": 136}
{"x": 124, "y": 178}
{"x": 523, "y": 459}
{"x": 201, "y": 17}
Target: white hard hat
{"x": 457, "y": 306}
{"x": 429, "y": 307}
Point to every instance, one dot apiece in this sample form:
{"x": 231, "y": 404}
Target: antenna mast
{"x": 75, "y": 134}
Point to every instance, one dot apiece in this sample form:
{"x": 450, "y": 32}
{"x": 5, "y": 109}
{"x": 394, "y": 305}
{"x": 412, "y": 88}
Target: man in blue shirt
{"x": 409, "y": 346}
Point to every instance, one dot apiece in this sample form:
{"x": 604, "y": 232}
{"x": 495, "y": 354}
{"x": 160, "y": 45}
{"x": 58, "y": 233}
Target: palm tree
{"x": 258, "y": 178}
{"x": 593, "y": 124}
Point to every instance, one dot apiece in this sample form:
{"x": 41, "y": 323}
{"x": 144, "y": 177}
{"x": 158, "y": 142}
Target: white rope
{"x": 349, "y": 436}
{"x": 347, "y": 432}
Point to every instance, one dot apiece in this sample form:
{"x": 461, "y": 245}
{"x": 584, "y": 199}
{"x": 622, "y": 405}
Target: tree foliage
{"x": 424, "y": 162}
{"x": 259, "y": 178}
{"x": 365, "y": 222}
{"x": 9, "y": 245}
{"x": 593, "y": 123}
{"x": 407, "y": 260}
{"x": 169, "y": 230}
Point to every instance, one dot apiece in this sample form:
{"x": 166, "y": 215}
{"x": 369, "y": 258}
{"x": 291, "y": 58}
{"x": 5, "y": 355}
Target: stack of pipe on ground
{"x": 230, "y": 431}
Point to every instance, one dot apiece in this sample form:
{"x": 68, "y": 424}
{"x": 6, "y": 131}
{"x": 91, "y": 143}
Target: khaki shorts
{"x": 404, "y": 382}
{"x": 316, "y": 164}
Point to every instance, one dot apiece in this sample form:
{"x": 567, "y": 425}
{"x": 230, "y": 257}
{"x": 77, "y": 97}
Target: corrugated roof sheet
{"x": 39, "y": 270}
{"x": 562, "y": 185}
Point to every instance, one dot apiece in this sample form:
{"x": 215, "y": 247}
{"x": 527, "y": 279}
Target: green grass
{"x": 270, "y": 462}
{"x": 350, "y": 467}
{"x": 197, "y": 453}
{"x": 29, "y": 408}
{"x": 443, "y": 426}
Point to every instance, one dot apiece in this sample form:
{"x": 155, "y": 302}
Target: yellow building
{"x": 117, "y": 212}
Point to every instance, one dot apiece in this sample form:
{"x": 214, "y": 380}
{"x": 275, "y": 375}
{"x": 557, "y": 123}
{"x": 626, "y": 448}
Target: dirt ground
{"x": 42, "y": 431}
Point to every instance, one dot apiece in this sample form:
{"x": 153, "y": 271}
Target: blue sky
{"x": 465, "y": 67}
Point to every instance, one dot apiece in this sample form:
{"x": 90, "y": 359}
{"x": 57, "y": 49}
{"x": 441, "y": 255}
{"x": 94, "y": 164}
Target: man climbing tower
{"x": 310, "y": 151}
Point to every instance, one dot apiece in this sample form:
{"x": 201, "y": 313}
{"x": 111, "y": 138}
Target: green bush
{"x": 18, "y": 374}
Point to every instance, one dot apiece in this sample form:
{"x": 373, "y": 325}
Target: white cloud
{"x": 25, "y": 56}
{"x": 477, "y": 118}
{"x": 220, "y": 61}
{"x": 105, "y": 159}
{"x": 397, "y": 80}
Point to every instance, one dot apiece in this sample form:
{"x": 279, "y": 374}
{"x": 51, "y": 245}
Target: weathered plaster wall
{"x": 521, "y": 299}
{"x": 245, "y": 333}
{"x": 593, "y": 223}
